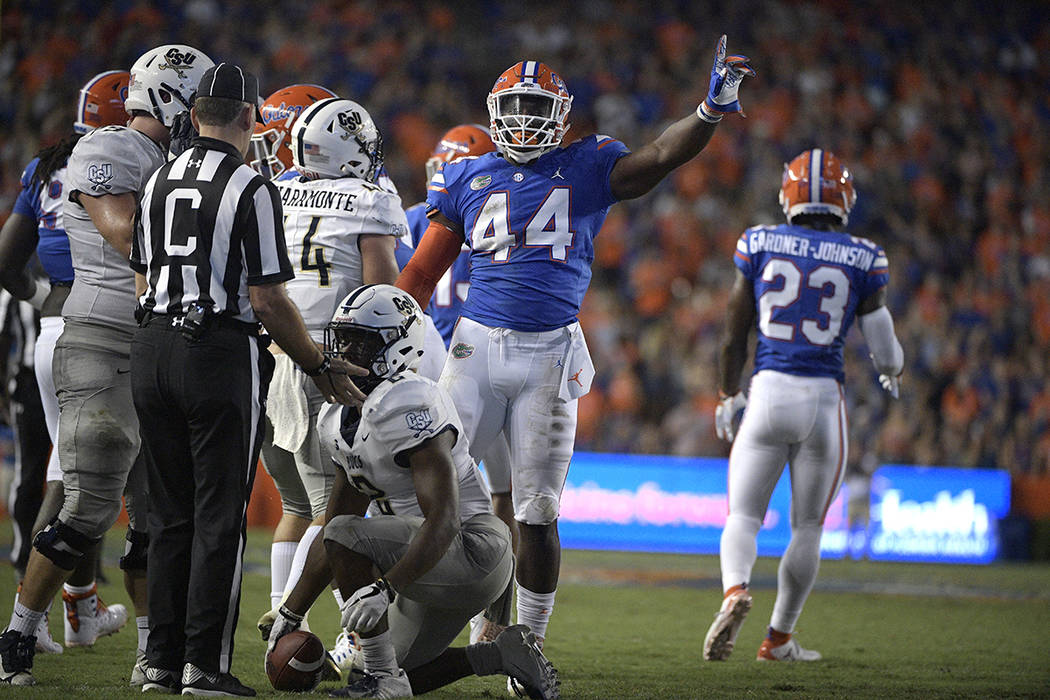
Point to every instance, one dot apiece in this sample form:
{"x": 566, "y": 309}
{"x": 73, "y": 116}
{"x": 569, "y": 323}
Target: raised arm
{"x": 637, "y": 173}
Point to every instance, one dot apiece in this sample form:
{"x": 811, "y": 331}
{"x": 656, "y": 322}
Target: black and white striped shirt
{"x": 208, "y": 227}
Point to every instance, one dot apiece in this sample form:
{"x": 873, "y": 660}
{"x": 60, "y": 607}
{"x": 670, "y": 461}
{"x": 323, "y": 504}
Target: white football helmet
{"x": 164, "y": 79}
{"x": 337, "y": 138}
{"x": 378, "y": 327}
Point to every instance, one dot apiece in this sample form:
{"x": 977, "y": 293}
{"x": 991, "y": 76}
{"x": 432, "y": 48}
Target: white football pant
{"x": 793, "y": 420}
{"x": 511, "y": 381}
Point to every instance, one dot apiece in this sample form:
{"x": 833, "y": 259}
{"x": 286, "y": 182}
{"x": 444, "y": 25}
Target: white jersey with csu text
{"x": 322, "y": 221}
{"x": 400, "y": 414}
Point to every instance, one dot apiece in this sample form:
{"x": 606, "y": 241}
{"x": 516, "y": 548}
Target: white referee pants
{"x": 800, "y": 421}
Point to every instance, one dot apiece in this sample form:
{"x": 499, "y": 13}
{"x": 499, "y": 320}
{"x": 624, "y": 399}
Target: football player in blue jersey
{"x": 529, "y": 213}
{"x": 462, "y": 141}
{"x": 36, "y": 225}
{"x": 801, "y": 284}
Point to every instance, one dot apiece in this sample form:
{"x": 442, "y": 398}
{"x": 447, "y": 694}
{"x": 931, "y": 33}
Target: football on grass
{"x": 296, "y": 662}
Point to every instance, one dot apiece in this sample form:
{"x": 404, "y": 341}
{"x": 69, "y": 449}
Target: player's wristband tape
{"x": 326, "y": 364}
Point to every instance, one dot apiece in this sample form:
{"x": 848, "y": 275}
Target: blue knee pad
{"x": 63, "y": 545}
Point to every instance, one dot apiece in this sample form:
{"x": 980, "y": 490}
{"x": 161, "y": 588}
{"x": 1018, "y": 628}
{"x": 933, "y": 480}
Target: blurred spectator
{"x": 943, "y": 118}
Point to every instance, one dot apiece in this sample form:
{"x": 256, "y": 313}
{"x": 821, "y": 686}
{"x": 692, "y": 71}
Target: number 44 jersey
{"x": 530, "y": 229}
{"x": 807, "y": 286}
{"x": 322, "y": 221}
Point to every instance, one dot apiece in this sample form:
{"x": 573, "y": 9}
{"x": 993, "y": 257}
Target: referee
{"x": 211, "y": 260}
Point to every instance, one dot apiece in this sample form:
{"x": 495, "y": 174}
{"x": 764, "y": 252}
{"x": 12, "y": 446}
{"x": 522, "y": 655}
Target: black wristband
{"x": 285, "y": 612}
{"x": 326, "y": 364}
{"x": 385, "y": 586}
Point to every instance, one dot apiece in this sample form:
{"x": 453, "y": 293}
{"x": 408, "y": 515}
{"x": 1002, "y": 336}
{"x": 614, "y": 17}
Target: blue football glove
{"x": 726, "y": 75}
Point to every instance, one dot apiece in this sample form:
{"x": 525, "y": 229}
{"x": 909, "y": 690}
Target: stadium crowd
{"x": 942, "y": 118}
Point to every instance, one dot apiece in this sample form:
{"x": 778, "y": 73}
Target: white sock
{"x": 534, "y": 610}
{"x": 302, "y": 549}
{"x": 379, "y": 653}
{"x": 25, "y": 621}
{"x": 142, "y": 623}
{"x": 281, "y": 556}
{"x": 78, "y": 590}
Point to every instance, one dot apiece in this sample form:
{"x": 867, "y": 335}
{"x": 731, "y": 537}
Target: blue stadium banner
{"x": 678, "y": 504}
{"x": 937, "y": 514}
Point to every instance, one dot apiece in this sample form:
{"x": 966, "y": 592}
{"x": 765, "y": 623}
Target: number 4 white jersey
{"x": 322, "y": 222}
{"x": 807, "y": 286}
{"x": 399, "y": 414}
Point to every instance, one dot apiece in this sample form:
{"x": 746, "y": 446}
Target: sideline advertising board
{"x": 678, "y": 504}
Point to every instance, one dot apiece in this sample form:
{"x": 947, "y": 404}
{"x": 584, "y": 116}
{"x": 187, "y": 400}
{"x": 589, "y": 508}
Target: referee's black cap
{"x": 232, "y": 82}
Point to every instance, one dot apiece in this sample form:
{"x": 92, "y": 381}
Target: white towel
{"x": 286, "y": 405}
{"x": 577, "y": 370}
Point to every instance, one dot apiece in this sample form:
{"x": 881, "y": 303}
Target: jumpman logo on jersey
{"x": 576, "y": 377}
{"x": 557, "y": 173}
{"x": 558, "y": 364}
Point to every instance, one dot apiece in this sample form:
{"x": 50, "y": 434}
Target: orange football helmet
{"x": 829, "y": 191}
{"x": 459, "y": 141}
{"x": 269, "y": 153}
{"x": 528, "y": 107}
{"x": 102, "y": 101}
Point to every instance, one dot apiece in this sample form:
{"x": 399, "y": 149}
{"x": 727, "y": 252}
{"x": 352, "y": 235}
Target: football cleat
{"x": 790, "y": 650}
{"x": 379, "y": 684}
{"x": 159, "y": 680}
{"x": 521, "y": 659}
{"x": 347, "y": 653}
{"x": 721, "y": 636}
{"x": 16, "y": 658}
{"x": 198, "y": 682}
{"x": 88, "y": 618}
{"x": 816, "y": 182}
{"x": 45, "y": 643}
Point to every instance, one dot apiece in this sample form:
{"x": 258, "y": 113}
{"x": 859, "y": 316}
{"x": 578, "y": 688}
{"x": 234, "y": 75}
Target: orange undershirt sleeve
{"x": 437, "y": 250}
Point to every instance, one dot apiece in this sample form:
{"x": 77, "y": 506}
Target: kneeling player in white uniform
{"x": 802, "y": 284}
{"x": 431, "y": 553}
{"x": 341, "y": 229}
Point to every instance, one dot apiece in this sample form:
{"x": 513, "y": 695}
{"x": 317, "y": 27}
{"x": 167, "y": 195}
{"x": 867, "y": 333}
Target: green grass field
{"x": 631, "y": 626}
